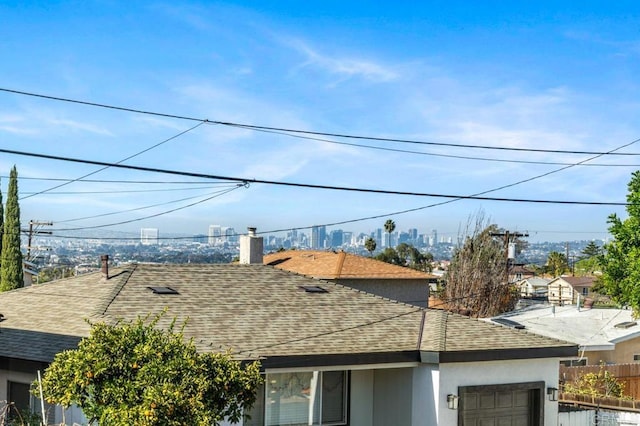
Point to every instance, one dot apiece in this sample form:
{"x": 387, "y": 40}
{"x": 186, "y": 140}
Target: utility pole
{"x": 34, "y": 229}
{"x": 507, "y": 239}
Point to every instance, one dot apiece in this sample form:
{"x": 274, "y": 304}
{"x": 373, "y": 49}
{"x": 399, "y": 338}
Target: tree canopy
{"x": 135, "y": 373}
{"x": 370, "y": 245}
{"x": 557, "y": 263}
{"x": 621, "y": 258}
{"x": 389, "y": 227}
{"x": 407, "y": 255}
{"x": 477, "y": 276}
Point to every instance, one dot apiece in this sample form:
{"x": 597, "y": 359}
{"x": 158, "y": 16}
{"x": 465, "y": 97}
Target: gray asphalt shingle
{"x": 252, "y": 310}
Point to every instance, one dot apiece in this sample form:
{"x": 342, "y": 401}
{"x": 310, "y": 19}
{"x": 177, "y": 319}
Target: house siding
{"x": 361, "y": 398}
{"x": 392, "y": 397}
{"x": 497, "y": 372}
{"x": 623, "y": 353}
{"x": 411, "y": 291}
{"x": 560, "y": 293}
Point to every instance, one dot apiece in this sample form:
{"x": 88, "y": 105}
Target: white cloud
{"x": 17, "y": 130}
{"x": 76, "y": 125}
{"x": 12, "y": 123}
{"x": 345, "y": 68}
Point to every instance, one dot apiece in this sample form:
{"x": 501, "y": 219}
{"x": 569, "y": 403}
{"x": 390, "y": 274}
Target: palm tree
{"x": 389, "y": 227}
{"x": 557, "y": 263}
{"x": 370, "y": 245}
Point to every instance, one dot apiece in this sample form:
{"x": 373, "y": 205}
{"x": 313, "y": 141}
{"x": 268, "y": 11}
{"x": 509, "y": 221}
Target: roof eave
{"x": 434, "y": 357}
{"x": 325, "y": 360}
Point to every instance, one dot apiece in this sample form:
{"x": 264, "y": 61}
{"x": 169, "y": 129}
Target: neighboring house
{"x": 29, "y": 271}
{"x": 362, "y": 273}
{"x": 330, "y": 354}
{"x": 567, "y": 290}
{"x": 519, "y": 272}
{"x": 533, "y": 287}
{"x": 603, "y": 335}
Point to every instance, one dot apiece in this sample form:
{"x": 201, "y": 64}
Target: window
{"x": 585, "y": 291}
{"x": 636, "y": 357}
{"x": 305, "y": 398}
{"x": 574, "y": 362}
{"x": 20, "y": 397}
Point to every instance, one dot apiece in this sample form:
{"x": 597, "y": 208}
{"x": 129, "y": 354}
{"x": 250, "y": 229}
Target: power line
{"x": 218, "y": 194}
{"x": 315, "y": 186}
{"x": 119, "y": 162}
{"x": 120, "y": 191}
{"x": 481, "y": 193}
{"x": 431, "y": 154}
{"x": 131, "y": 210}
{"x": 145, "y": 182}
{"x": 305, "y": 132}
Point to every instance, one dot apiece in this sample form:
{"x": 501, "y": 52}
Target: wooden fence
{"x": 628, "y": 374}
{"x": 601, "y": 402}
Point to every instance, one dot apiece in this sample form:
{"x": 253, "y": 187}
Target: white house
{"x": 602, "y": 335}
{"x": 330, "y": 354}
{"x": 533, "y": 287}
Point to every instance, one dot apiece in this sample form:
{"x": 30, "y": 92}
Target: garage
{"x": 516, "y": 404}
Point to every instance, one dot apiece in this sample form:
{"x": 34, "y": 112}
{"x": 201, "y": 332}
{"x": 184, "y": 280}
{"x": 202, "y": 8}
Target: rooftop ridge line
{"x": 341, "y": 258}
{"x": 101, "y": 309}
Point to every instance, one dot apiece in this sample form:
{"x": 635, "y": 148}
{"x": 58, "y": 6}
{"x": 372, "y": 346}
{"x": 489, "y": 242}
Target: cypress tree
{"x": 1, "y": 225}
{"x": 11, "y": 256}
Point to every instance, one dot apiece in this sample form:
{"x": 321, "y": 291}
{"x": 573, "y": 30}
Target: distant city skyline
{"x": 295, "y": 115}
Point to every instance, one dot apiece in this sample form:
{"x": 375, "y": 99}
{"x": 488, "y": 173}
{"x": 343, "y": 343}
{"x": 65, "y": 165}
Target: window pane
{"x": 292, "y": 399}
{"x": 19, "y": 395}
{"x": 256, "y": 413}
{"x": 298, "y": 399}
{"x": 333, "y": 398}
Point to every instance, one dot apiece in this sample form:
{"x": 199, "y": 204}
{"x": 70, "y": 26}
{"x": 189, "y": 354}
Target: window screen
{"x": 305, "y": 398}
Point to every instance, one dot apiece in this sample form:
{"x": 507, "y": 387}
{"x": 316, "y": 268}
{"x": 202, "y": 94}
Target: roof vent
{"x": 313, "y": 289}
{"x": 626, "y": 324}
{"x": 508, "y": 323}
{"x": 163, "y": 290}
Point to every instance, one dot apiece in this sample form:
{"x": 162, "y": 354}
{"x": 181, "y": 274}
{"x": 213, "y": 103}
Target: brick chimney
{"x": 251, "y": 248}
{"x": 104, "y": 260}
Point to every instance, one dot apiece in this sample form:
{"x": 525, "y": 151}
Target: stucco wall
{"x": 361, "y": 398}
{"x": 392, "y": 397}
{"x": 623, "y": 353}
{"x": 493, "y": 373}
{"x": 413, "y": 292}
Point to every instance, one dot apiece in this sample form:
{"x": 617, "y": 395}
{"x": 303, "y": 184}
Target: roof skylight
{"x": 163, "y": 290}
{"x": 313, "y": 289}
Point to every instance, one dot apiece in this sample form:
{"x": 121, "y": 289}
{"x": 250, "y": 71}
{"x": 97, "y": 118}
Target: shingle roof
{"x": 340, "y": 264}
{"x": 580, "y": 281}
{"x": 254, "y": 310}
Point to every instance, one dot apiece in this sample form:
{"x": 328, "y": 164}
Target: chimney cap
{"x": 104, "y": 260}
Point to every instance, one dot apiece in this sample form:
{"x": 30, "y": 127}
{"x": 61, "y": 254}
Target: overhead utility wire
{"x": 281, "y": 129}
{"x": 146, "y": 182}
{"x": 431, "y": 154}
{"x": 306, "y": 185}
{"x": 474, "y": 196}
{"x": 119, "y": 162}
{"x": 444, "y": 302}
{"x": 131, "y": 210}
{"x": 339, "y": 330}
{"x": 120, "y": 191}
{"x": 217, "y": 194}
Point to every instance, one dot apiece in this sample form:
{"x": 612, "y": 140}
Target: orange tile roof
{"x": 334, "y": 265}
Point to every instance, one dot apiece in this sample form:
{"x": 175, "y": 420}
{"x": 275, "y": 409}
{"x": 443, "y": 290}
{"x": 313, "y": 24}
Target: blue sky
{"x": 504, "y": 75}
